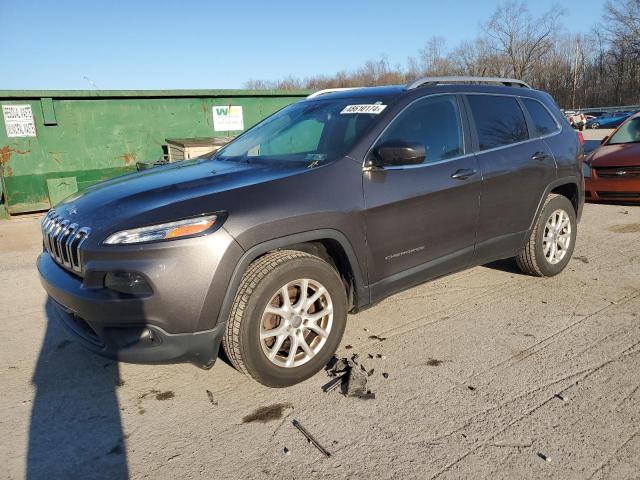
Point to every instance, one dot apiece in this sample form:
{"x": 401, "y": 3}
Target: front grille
{"x": 618, "y": 172}
{"x": 62, "y": 239}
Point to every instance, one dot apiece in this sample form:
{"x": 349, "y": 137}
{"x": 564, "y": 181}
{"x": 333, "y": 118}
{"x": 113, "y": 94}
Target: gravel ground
{"x": 491, "y": 374}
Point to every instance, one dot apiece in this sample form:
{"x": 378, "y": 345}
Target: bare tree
{"x": 597, "y": 69}
{"x": 521, "y": 37}
{"x": 623, "y": 23}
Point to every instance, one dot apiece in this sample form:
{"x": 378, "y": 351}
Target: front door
{"x": 421, "y": 220}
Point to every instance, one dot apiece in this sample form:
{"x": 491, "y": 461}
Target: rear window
{"x": 542, "y": 119}
{"x": 499, "y": 120}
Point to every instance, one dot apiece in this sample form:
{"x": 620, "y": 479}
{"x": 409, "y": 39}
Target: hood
{"x": 167, "y": 193}
{"x": 622, "y": 155}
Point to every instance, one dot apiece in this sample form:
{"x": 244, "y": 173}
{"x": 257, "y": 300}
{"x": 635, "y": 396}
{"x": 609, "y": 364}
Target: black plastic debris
{"x": 310, "y": 438}
{"x": 376, "y": 337}
{"x": 351, "y": 380}
{"x": 560, "y": 397}
{"x": 211, "y": 399}
{"x": 332, "y": 384}
{"x": 544, "y": 457}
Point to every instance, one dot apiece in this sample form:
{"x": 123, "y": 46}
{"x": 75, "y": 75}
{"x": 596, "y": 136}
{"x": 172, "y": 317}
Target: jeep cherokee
{"x": 322, "y": 209}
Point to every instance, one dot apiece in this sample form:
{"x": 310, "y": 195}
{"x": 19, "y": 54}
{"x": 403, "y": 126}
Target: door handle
{"x": 539, "y": 156}
{"x": 463, "y": 174}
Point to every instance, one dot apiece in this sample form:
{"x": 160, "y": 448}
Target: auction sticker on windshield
{"x": 375, "y": 109}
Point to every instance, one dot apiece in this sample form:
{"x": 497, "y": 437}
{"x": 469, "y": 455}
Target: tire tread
{"x": 526, "y": 259}
{"x": 257, "y": 271}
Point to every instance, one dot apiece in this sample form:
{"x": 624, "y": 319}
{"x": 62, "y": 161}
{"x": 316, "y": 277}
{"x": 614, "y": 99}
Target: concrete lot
{"x": 491, "y": 374}
{"x": 597, "y": 134}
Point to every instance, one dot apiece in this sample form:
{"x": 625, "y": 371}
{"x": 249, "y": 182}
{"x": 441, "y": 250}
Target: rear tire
{"x": 552, "y": 239}
{"x": 265, "y": 325}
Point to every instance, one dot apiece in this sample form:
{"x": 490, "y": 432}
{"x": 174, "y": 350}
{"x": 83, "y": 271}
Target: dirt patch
{"x": 267, "y": 414}
{"x": 168, "y": 395}
{"x": 434, "y": 362}
{"x": 627, "y": 228}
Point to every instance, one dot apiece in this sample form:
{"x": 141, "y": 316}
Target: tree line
{"x": 595, "y": 68}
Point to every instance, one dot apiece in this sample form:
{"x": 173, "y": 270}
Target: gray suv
{"x": 322, "y": 209}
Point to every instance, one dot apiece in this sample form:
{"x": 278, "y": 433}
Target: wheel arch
{"x": 328, "y": 244}
{"x": 571, "y": 191}
{"x": 566, "y": 186}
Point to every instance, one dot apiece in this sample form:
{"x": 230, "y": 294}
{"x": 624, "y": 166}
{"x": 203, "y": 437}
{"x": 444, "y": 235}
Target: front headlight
{"x": 164, "y": 231}
{"x": 586, "y": 170}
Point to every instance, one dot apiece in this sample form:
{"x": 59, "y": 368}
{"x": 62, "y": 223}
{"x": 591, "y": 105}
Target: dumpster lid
{"x": 199, "y": 141}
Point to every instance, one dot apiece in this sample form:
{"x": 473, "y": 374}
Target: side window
{"x": 542, "y": 119}
{"x": 433, "y": 122}
{"x": 499, "y": 120}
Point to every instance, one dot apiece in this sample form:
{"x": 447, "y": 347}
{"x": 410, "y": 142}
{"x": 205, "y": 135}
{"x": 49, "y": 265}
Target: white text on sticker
{"x": 375, "y": 109}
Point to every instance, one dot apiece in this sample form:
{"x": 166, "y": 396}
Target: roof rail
{"x": 328, "y": 90}
{"x": 509, "y": 82}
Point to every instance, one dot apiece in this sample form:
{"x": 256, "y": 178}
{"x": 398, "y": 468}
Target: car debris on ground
{"x": 351, "y": 376}
{"x": 211, "y": 399}
{"x": 310, "y": 438}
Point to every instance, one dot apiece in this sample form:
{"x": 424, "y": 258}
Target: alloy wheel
{"x": 557, "y": 236}
{"x": 296, "y": 323}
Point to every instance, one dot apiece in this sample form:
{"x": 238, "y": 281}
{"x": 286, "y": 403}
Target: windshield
{"x": 628, "y": 133}
{"x": 313, "y": 132}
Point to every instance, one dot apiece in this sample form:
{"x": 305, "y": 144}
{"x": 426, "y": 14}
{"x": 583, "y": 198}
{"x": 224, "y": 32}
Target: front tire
{"x": 552, "y": 239}
{"x": 287, "y": 318}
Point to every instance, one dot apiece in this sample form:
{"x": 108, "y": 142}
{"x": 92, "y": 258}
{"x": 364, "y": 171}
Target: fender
{"x": 360, "y": 286}
{"x": 572, "y": 179}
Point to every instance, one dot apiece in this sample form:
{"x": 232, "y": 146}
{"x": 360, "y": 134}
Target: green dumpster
{"x": 54, "y": 143}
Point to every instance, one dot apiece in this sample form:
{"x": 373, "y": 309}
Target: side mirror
{"x": 395, "y": 153}
{"x": 604, "y": 140}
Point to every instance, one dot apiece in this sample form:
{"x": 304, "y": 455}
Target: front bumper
{"x": 143, "y": 344}
{"x": 174, "y": 324}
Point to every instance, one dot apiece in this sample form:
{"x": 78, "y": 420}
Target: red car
{"x": 612, "y": 172}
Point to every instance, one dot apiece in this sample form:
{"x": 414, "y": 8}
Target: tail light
{"x": 580, "y": 138}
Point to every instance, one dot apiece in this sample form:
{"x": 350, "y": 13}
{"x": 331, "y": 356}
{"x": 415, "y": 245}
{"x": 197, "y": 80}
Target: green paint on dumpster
{"x": 95, "y": 135}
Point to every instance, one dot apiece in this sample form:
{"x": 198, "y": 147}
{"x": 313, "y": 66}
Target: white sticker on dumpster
{"x": 18, "y": 121}
{"x": 375, "y": 109}
{"x": 227, "y": 118}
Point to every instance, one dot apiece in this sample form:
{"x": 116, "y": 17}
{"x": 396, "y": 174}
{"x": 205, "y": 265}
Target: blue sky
{"x": 209, "y": 44}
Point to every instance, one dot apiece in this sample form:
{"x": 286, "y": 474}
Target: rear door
{"x": 516, "y": 167}
{"x": 421, "y": 219}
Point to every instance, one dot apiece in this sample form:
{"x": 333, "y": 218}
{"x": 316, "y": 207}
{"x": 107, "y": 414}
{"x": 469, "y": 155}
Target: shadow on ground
{"x": 508, "y": 265}
{"x": 75, "y": 429}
